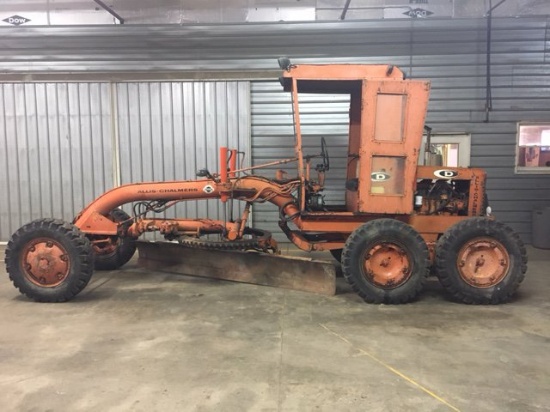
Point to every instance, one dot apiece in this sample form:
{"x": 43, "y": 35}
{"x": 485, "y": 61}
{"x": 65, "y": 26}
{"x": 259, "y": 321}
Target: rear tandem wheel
{"x": 49, "y": 260}
{"x": 385, "y": 261}
{"x": 480, "y": 261}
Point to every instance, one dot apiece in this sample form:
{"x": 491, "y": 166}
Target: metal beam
{"x": 110, "y": 11}
{"x": 345, "y": 10}
{"x": 488, "y": 86}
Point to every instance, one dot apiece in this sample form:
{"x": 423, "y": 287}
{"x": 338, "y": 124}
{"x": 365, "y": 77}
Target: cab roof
{"x": 336, "y": 78}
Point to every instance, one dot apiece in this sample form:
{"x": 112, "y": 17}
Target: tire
{"x": 480, "y": 261}
{"x": 385, "y": 261}
{"x": 337, "y": 254}
{"x": 49, "y": 260}
{"x": 125, "y": 247}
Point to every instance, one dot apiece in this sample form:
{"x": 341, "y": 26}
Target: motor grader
{"x": 398, "y": 222}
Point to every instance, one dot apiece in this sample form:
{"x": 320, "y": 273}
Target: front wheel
{"x": 49, "y": 260}
{"x": 385, "y": 261}
{"x": 480, "y": 261}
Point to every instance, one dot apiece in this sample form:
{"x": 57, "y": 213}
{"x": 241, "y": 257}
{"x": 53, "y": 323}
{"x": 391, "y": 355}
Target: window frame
{"x": 464, "y": 141}
{"x": 532, "y": 170}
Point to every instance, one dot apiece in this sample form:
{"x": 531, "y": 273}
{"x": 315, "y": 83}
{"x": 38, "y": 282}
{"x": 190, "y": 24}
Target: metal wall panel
{"x": 55, "y": 150}
{"x": 169, "y": 130}
{"x": 58, "y": 147}
{"x": 242, "y": 48}
{"x": 323, "y": 115}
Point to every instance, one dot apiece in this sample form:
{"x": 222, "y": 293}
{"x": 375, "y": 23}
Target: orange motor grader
{"x": 397, "y": 222}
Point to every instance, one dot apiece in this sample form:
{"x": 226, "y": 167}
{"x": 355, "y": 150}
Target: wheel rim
{"x": 483, "y": 262}
{"x": 45, "y": 262}
{"x": 387, "y": 265}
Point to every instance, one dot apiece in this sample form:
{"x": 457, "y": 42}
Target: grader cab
{"x": 396, "y": 223}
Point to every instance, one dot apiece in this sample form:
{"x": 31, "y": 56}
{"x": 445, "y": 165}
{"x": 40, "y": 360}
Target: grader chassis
{"x": 398, "y": 221}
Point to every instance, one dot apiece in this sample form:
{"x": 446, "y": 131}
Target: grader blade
{"x": 296, "y": 273}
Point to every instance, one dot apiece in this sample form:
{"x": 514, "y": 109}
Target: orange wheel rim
{"x": 483, "y": 262}
{"x": 45, "y": 262}
{"x": 387, "y": 265}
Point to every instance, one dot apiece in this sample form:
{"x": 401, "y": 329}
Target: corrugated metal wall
{"x": 55, "y": 150}
{"x": 321, "y": 115}
{"x": 168, "y": 131}
{"x": 58, "y": 141}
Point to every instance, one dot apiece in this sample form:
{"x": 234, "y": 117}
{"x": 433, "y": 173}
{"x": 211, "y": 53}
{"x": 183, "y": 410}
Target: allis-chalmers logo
{"x": 16, "y": 20}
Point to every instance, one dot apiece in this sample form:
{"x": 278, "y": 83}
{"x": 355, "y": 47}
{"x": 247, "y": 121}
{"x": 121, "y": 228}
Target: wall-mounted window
{"x": 451, "y": 150}
{"x": 533, "y": 148}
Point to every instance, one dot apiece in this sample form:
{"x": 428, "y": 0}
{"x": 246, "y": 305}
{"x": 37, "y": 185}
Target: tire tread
{"x": 352, "y": 276}
{"x": 71, "y": 233}
{"x": 444, "y": 252}
{"x": 124, "y": 251}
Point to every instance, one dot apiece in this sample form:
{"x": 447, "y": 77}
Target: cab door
{"x": 392, "y": 118}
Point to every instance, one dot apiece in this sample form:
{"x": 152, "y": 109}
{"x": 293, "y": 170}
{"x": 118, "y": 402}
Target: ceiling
{"x": 65, "y": 12}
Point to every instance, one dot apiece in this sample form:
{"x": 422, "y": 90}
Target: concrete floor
{"x": 142, "y": 341}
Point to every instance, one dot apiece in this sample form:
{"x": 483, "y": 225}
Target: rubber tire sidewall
{"x": 73, "y": 241}
{"x": 124, "y": 251}
{"x": 456, "y": 237}
{"x": 385, "y": 231}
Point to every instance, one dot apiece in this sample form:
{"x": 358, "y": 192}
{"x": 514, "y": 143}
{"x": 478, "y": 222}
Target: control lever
{"x": 204, "y": 173}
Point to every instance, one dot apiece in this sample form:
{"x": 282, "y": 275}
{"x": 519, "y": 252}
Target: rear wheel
{"x": 480, "y": 261}
{"x": 385, "y": 261}
{"x": 49, "y": 260}
{"x": 113, "y": 252}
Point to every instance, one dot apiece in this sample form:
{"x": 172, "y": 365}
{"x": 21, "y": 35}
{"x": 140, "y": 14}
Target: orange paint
{"x": 387, "y": 116}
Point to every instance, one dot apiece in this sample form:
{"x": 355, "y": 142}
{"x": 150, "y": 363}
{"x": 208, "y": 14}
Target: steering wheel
{"x": 324, "y": 155}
